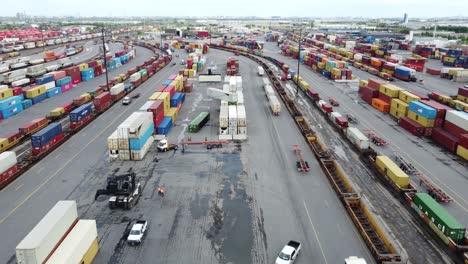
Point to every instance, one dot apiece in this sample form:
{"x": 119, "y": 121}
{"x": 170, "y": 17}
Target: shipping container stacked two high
{"x": 419, "y": 115}
{"x": 14, "y": 100}
{"x": 232, "y": 116}
{"x": 134, "y": 137}
{"x": 60, "y": 238}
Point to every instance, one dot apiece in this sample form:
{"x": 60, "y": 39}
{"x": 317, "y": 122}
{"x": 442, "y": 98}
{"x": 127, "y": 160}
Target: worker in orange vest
{"x": 160, "y": 191}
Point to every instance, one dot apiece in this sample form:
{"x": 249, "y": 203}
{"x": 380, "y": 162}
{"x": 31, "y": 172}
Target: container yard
{"x": 177, "y": 142}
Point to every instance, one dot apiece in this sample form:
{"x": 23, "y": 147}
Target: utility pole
{"x": 105, "y": 59}
{"x": 298, "y": 61}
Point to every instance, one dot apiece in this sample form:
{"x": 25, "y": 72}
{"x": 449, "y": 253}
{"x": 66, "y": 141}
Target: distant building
{"x": 405, "y": 19}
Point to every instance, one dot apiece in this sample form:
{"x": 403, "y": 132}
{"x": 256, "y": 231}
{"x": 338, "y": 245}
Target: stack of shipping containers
{"x": 232, "y": 117}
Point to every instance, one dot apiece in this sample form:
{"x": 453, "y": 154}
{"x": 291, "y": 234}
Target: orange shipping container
{"x": 380, "y": 105}
{"x": 376, "y": 62}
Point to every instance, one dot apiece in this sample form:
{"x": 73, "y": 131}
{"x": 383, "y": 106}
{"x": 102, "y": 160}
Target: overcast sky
{"x": 263, "y": 8}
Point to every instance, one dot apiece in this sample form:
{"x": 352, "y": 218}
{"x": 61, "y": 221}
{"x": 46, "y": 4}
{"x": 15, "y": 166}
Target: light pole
{"x": 298, "y": 61}
{"x": 105, "y": 59}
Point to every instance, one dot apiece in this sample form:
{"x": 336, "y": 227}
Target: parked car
{"x": 127, "y": 100}
{"x": 137, "y": 232}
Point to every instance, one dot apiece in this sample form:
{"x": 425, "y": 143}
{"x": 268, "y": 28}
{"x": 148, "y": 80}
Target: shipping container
{"x": 440, "y": 217}
{"x": 422, "y": 109}
{"x": 224, "y": 116}
{"x": 140, "y": 154}
{"x": 202, "y": 118}
{"x": 102, "y": 101}
{"x": 462, "y": 151}
{"x": 46, "y": 134}
{"x": 45, "y": 236}
{"x": 176, "y": 99}
{"x": 407, "y": 97}
{"x": 77, "y": 244}
{"x": 390, "y": 169}
{"x": 380, "y": 105}
{"x": 33, "y": 126}
{"x": 375, "y": 83}
{"x": 241, "y": 116}
{"x": 81, "y": 112}
{"x": 426, "y": 122}
{"x": 165, "y": 126}
{"x": 445, "y": 139}
{"x": 411, "y": 126}
{"x": 458, "y": 118}
{"x": 7, "y": 160}
{"x": 390, "y": 90}
{"x": 138, "y": 143}
{"x": 357, "y": 138}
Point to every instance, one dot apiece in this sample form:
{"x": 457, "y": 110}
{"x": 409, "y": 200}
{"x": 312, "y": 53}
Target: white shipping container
{"x": 112, "y": 141}
{"x": 124, "y": 155}
{"x": 7, "y": 160}
{"x": 334, "y": 115}
{"x": 232, "y": 115}
{"x": 457, "y": 118}
{"x": 224, "y": 102}
{"x": 261, "y": 71}
{"x": 38, "y": 244}
{"x": 266, "y": 81}
{"x": 36, "y": 61}
{"x": 140, "y": 154}
{"x": 447, "y": 69}
{"x": 145, "y": 107}
{"x": 224, "y": 116}
{"x": 123, "y": 128}
{"x": 76, "y": 243}
{"x": 460, "y": 78}
{"x": 232, "y": 85}
{"x": 20, "y": 82}
{"x": 123, "y": 144}
{"x": 241, "y": 116}
{"x": 140, "y": 125}
{"x": 49, "y": 85}
{"x": 227, "y": 79}
{"x": 358, "y": 57}
{"x": 357, "y": 138}
{"x": 350, "y": 44}
{"x": 269, "y": 90}
{"x": 240, "y": 98}
{"x": 116, "y": 89}
{"x": 232, "y": 130}
{"x": 135, "y": 77}
{"x": 226, "y": 88}
{"x": 239, "y": 82}
{"x": 52, "y": 67}
{"x": 274, "y": 104}
{"x": 242, "y": 130}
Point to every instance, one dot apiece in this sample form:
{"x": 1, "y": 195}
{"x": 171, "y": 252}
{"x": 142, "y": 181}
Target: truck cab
{"x": 289, "y": 253}
{"x": 164, "y": 146}
{"x": 355, "y": 260}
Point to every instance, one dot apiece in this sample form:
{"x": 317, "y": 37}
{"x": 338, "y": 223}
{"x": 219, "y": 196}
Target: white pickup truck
{"x": 137, "y": 232}
{"x": 289, "y": 253}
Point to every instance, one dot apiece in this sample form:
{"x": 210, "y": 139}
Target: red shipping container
{"x": 132, "y": 71}
{"x": 445, "y": 139}
{"x": 156, "y": 107}
{"x": 422, "y": 96}
{"x": 463, "y": 92}
{"x": 102, "y": 101}
{"x": 327, "y": 108}
{"x": 170, "y": 89}
{"x": 82, "y": 122}
{"x": 385, "y": 98}
{"x": 67, "y": 107}
{"x": 464, "y": 140}
{"x": 17, "y": 90}
{"x": 33, "y": 126}
{"x": 454, "y": 129}
{"x": 92, "y": 64}
{"x": 158, "y": 118}
{"x": 8, "y": 175}
{"x": 185, "y": 80}
{"x": 411, "y": 126}
{"x": 13, "y": 136}
{"x": 36, "y": 151}
{"x": 313, "y": 94}
{"x": 433, "y": 71}
{"x": 428, "y": 131}
{"x": 341, "y": 121}
{"x": 179, "y": 106}
{"x": 188, "y": 88}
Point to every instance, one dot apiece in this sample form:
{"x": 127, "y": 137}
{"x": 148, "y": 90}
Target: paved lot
{"x": 43, "y": 108}
{"x": 238, "y": 204}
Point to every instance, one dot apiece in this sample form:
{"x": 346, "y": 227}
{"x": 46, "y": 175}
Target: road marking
{"x": 339, "y": 228}
{"x": 326, "y": 203}
{"x": 315, "y": 233}
{"x": 40, "y": 169}
{"x": 19, "y": 186}
{"x": 60, "y": 169}
{"x": 84, "y": 134}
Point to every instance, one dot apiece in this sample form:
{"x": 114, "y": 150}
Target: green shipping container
{"x": 440, "y": 217}
{"x": 199, "y": 122}
{"x": 143, "y": 72}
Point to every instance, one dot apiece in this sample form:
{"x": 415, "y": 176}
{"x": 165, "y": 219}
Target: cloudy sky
{"x": 262, "y": 8}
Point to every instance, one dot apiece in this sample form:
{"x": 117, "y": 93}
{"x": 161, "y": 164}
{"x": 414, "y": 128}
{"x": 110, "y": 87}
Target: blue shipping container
{"x": 81, "y": 112}
{"x": 53, "y": 92}
{"x": 165, "y": 126}
{"x": 46, "y": 134}
{"x": 182, "y": 97}
{"x": 10, "y": 101}
{"x": 63, "y": 81}
{"x": 87, "y": 77}
{"x": 26, "y": 103}
{"x": 39, "y": 98}
{"x": 402, "y": 71}
{"x": 138, "y": 143}
{"x": 21, "y": 96}
{"x": 45, "y": 79}
{"x": 111, "y": 67}
{"x": 422, "y": 110}
{"x": 11, "y": 111}
{"x": 167, "y": 82}
{"x": 176, "y": 99}
{"x": 128, "y": 86}
{"x": 89, "y": 71}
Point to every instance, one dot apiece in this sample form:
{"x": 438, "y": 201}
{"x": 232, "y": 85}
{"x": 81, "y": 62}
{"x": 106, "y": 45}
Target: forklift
{"x": 124, "y": 191}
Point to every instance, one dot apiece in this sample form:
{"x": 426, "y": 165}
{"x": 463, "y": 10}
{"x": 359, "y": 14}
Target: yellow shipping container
{"x": 166, "y": 97}
{"x": 38, "y": 90}
{"x": 399, "y": 105}
{"x": 191, "y": 73}
{"x": 425, "y": 122}
{"x": 194, "y": 66}
{"x": 154, "y": 96}
{"x": 388, "y": 71}
{"x": 186, "y": 72}
{"x": 379, "y": 52}
{"x": 461, "y": 105}
{"x": 462, "y": 98}
{"x": 396, "y": 113}
{"x": 99, "y": 63}
{"x": 390, "y": 169}
{"x": 91, "y": 253}
{"x": 390, "y": 90}
{"x": 407, "y": 96}
{"x": 122, "y": 76}
{"x": 5, "y": 93}
{"x": 87, "y": 97}
{"x": 336, "y": 71}
{"x": 83, "y": 66}
{"x": 453, "y": 71}
{"x": 321, "y": 65}
{"x": 4, "y": 143}
{"x": 363, "y": 83}
{"x": 172, "y": 113}
{"x": 57, "y": 111}
{"x": 304, "y": 85}
{"x": 462, "y": 152}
